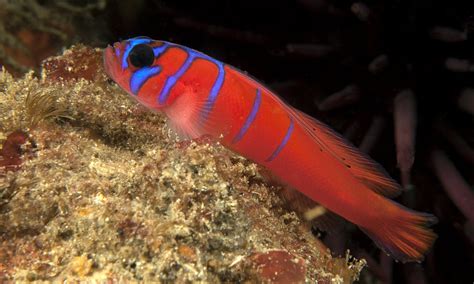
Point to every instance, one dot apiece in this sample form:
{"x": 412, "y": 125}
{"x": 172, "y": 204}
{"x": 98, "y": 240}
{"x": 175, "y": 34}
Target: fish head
{"x": 133, "y": 65}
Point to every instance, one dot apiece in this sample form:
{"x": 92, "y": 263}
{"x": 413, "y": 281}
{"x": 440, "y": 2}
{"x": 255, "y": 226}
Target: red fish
{"x": 202, "y": 96}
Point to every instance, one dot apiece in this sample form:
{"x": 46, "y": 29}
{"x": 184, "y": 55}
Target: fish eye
{"x": 141, "y": 55}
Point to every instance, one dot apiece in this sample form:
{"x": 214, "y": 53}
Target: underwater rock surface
{"x": 99, "y": 189}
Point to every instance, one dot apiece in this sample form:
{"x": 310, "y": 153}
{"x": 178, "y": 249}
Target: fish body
{"x": 203, "y": 96}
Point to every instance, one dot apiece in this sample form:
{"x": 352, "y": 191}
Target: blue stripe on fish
{"x": 157, "y": 51}
{"x": 283, "y": 142}
{"x": 171, "y": 81}
{"x": 216, "y": 87}
{"x": 250, "y": 118}
{"x": 140, "y": 76}
{"x": 192, "y": 55}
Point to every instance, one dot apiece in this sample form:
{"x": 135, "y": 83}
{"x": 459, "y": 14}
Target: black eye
{"x": 141, "y": 55}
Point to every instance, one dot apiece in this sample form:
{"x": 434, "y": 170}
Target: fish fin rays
{"x": 176, "y": 132}
{"x": 329, "y": 222}
{"x": 185, "y": 117}
{"x": 405, "y": 236}
{"x": 360, "y": 165}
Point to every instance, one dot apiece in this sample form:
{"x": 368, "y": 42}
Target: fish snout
{"x": 110, "y": 61}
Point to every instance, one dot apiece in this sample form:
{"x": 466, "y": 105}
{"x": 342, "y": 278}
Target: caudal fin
{"x": 405, "y": 236}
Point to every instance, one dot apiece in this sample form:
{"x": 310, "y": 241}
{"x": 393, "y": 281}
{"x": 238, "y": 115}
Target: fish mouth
{"x": 113, "y": 59}
{"x": 110, "y": 61}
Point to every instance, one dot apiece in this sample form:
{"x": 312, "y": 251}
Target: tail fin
{"x": 405, "y": 236}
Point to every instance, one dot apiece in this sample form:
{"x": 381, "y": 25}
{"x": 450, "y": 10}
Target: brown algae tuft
{"x": 109, "y": 195}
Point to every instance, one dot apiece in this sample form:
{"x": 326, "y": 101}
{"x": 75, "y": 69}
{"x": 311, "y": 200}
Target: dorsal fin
{"x": 360, "y": 165}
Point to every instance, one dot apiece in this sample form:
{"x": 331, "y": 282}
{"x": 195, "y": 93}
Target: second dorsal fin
{"x": 360, "y": 165}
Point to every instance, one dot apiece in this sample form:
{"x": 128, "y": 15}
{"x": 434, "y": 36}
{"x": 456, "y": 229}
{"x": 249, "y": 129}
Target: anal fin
{"x": 325, "y": 220}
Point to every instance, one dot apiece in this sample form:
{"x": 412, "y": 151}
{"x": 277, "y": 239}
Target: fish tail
{"x": 405, "y": 234}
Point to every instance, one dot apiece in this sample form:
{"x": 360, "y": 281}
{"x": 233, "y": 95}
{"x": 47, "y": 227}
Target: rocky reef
{"x": 94, "y": 187}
